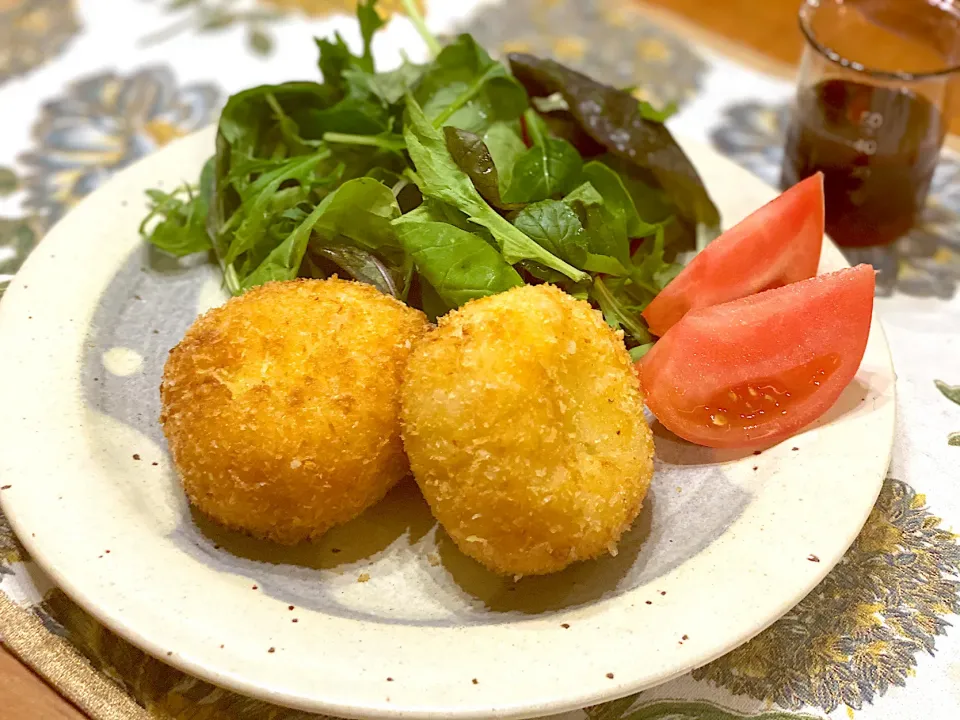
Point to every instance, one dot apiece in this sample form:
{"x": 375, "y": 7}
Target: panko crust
{"x": 523, "y": 421}
{"x": 281, "y": 408}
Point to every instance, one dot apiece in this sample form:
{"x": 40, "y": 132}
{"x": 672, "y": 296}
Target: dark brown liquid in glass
{"x": 877, "y": 149}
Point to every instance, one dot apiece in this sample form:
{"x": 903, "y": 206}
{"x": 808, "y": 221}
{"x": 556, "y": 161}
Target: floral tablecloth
{"x": 89, "y": 86}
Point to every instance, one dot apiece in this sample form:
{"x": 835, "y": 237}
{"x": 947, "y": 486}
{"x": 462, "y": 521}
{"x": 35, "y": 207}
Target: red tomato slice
{"x": 777, "y": 245}
{"x": 755, "y": 371}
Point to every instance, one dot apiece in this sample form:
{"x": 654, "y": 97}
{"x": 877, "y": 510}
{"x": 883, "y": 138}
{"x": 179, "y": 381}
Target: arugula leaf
{"x": 249, "y": 125}
{"x": 665, "y": 275}
{"x": 385, "y": 141}
{"x": 617, "y": 315}
{"x": 551, "y": 167}
{"x": 637, "y": 353}
{"x": 355, "y": 114}
{"x": 651, "y": 271}
{"x": 555, "y": 226}
{"x": 466, "y": 88}
{"x": 440, "y": 178}
{"x": 283, "y": 262}
{"x": 649, "y": 112}
{"x": 458, "y": 265}
{"x": 182, "y": 229}
{"x": 370, "y": 21}
{"x": 388, "y": 87}
{"x": 413, "y": 12}
{"x": 335, "y": 56}
{"x": 262, "y": 195}
{"x": 614, "y": 119}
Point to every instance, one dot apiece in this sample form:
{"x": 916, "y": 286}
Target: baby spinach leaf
{"x": 609, "y": 184}
{"x": 652, "y": 202}
{"x": 431, "y": 303}
{"x": 585, "y": 195}
{"x": 555, "y": 226}
{"x": 362, "y": 266}
{"x": 551, "y": 167}
{"x": 466, "y": 88}
{"x": 433, "y": 210}
{"x": 440, "y": 178}
{"x": 362, "y": 210}
{"x": 505, "y": 144}
{"x": 473, "y": 157}
{"x": 544, "y": 171}
{"x": 540, "y": 272}
{"x": 457, "y": 264}
{"x": 608, "y": 246}
{"x": 614, "y": 119}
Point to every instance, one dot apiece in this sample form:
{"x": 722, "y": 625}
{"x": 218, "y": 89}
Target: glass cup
{"x": 872, "y": 110}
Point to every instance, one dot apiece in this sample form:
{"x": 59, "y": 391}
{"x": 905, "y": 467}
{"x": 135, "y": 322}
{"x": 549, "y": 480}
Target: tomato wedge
{"x": 777, "y": 245}
{"x": 755, "y": 371}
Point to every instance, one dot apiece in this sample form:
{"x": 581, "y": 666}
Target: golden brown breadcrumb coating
{"x": 281, "y": 408}
{"x": 523, "y": 421}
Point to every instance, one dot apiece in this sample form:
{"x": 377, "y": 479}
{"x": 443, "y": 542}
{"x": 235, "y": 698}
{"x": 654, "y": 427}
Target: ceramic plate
{"x": 392, "y": 621}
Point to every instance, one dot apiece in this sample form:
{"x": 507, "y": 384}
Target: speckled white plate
{"x": 726, "y": 544}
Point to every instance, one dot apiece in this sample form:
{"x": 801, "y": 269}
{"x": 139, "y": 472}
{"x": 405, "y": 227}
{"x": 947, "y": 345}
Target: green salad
{"x": 443, "y": 182}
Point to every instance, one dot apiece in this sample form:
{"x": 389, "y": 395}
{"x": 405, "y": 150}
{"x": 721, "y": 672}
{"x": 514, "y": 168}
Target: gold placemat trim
{"x": 61, "y": 665}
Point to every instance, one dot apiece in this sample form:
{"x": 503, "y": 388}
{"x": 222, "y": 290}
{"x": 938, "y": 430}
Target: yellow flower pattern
{"x": 10, "y": 548}
{"x": 321, "y": 8}
{"x": 860, "y": 631}
{"x": 32, "y": 32}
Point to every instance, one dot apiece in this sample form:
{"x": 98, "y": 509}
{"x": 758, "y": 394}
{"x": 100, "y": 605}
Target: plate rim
{"x": 571, "y": 700}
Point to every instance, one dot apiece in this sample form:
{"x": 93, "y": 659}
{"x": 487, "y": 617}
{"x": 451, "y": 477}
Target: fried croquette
{"x": 281, "y": 408}
{"x": 523, "y": 421}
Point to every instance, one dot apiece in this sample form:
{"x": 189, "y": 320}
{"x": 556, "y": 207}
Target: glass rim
{"x": 804, "y": 17}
